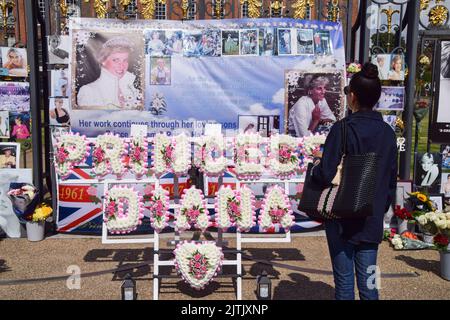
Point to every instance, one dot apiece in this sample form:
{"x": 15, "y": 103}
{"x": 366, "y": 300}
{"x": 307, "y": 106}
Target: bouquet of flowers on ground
{"x": 24, "y": 198}
{"x": 438, "y": 224}
{"x": 408, "y": 242}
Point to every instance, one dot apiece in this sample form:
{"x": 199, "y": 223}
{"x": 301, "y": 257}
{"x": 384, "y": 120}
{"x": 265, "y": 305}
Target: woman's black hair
{"x": 366, "y": 86}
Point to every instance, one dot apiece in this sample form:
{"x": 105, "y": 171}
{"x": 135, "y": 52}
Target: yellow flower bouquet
{"x": 41, "y": 213}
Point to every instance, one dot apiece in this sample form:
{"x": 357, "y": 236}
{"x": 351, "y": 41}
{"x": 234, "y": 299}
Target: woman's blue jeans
{"x": 345, "y": 258}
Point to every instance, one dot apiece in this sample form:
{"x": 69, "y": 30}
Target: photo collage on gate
{"x": 391, "y": 71}
{"x": 15, "y": 120}
{"x": 162, "y": 45}
{"x": 59, "y": 106}
{"x": 445, "y": 172}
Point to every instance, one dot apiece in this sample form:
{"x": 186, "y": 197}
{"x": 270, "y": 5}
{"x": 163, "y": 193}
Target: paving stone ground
{"x": 21, "y": 259}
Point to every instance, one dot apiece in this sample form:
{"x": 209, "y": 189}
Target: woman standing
{"x": 353, "y": 243}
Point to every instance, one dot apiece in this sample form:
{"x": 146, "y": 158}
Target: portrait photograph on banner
{"x": 314, "y": 101}
{"x": 108, "y": 72}
{"x": 14, "y": 62}
{"x": 382, "y": 61}
{"x": 445, "y": 152}
{"x": 192, "y": 73}
{"x": 427, "y": 171}
{"x": 445, "y": 184}
{"x": 305, "y": 41}
{"x": 58, "y": 49}
{"x": 155, "y": 42}
{"x": 390, "y": 120}
{"x": 322, "y": 42}
{"x": 249, "y": 42}
{"x": 9, "y": 155}
{"x": 173, "y": 44}
{"x": 391, "y": 99}
{"x": 267, "y": 41}
{"x": 286, "y": 41}
{"x": 440, "y": 126}
{"x": 230, "y": 42}
{"x": 19, "y": 123}
{"x": 160, "y": 70}
{"x": 264, "y": 125}
{"x": 396, "y": 68}
{"x": 59, "y": 111}
{"x": 60, "y": 83}
{"x": 15, "y": 96}
{"x": 4, "y": 124}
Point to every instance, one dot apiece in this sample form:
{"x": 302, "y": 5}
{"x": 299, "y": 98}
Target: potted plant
{"x": 36, "y": 226}
{"x": 438, "y": 223}
{"x": 441, "y": 242}
{"x": 416, "y": 205}
{"x": 405, "y": 219}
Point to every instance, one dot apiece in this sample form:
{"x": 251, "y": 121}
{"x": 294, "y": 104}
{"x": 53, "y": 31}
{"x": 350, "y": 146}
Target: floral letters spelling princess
{"x": 206, "y": 147}
{"x": 198, "y": 263}
{"x": 276, "y": 209}
{"x": 108, "y": 155}
{"x": 235, "y": 208}
{"x": 193, "y": 211}
{"x": 159, "y": 209}
{"x": 171, "y": 154}
{"x": 247, "y": 156}
{"x": 138, "y": 155}
{"x": 283, "y": 159}
{"x": 70, "y": 149}
{"x": 123, "y": 210}
{"x": 307, "y": 147}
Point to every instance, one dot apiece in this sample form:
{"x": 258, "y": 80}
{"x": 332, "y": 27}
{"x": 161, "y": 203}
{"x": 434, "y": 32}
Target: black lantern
{"x": 129, "y": 288}
{"x": 264, "y": 287}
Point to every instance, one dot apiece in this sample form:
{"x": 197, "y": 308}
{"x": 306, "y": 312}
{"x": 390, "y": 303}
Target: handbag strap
{"x": 344, "y": 138}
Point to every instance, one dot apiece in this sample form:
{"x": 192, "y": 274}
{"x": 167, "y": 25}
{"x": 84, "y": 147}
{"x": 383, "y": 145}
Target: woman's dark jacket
{"x": 366, "y": 132}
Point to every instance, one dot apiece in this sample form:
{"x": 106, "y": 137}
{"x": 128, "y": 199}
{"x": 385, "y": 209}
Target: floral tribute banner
{"x": 112, "y": 157}
{"x": 177, "y": 76}
{"x": 198, "y": 263}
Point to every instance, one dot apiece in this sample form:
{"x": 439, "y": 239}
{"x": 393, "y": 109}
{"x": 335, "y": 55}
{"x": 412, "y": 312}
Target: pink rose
{"x": 92, "y": 191}
{"x": 299, "y": 188}
{"x": 98, "y": 154}
{"x": 197, "y": 257}
{"x": 148, "y": 190}
{"x": 169, "y": 152}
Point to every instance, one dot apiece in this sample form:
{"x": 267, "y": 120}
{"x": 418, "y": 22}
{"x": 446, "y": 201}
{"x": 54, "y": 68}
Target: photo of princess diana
{"x": 109, "y": 73}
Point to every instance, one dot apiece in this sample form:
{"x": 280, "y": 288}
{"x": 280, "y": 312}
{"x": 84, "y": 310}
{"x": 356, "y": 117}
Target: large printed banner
{"x": 249, "y": 75}
{"x": 255, "y": 75}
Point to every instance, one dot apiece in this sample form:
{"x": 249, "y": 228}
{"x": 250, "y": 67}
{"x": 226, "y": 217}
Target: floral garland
{"x": 308, "y": 146}
{"x": 70, "y": 149}
{"x": 159, "y": 209}
{"x": 283, "y": 158}
{"x": 235, "y": 208}
{"x": 193, "y": 211}
{"x": 171, "y": 155}
{"x": 198, "y": 263}
{"x": 123, "y": 210}
{"x": 108, "y": 155}
{"x": 204, "y": 160}
{"x": 247, "y": 156}
{"x": 275, "y": 209}
{"x": 138, "y": 151}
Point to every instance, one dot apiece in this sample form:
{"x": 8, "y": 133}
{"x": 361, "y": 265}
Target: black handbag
{"x": 352, "y": 197}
